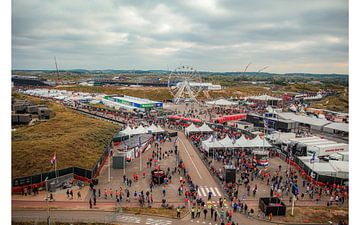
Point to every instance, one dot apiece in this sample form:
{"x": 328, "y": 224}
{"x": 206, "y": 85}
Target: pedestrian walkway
{"x": 203, "y": 191}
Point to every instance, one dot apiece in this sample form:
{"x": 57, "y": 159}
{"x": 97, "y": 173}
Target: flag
{"x": 234, "y": 139}
{"x": 312, "y": 160}
{"x": 139, "y": 141}
{"x": 53, "y": 158}
{"x": 176, "y": 139}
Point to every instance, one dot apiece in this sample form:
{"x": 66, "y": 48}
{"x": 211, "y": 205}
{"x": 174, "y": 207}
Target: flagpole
{"x": 55, "y": 168}
{"x": 140, "y": 156}
{"x": 55, "y": 165}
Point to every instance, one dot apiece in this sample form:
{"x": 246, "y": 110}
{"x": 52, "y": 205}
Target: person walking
{"x": 78, "y": 195}
{"x": 90, "y": 203}
{"x": 71, "y": 194}
{"x": 198, "y": 211}
{"x": 212, "y": 212}
{"x": 178, "y": 212}
{"x": 215, "y": 216}
{"x": 193, "y": 212}
{"x": 205, "y": 212}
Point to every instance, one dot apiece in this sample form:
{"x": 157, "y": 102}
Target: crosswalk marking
{"x": 207, "y": 190}
{"x": 203, "y": 191}
{"x": 217, "y": 191}
{"x": 158, "y": 221}
{"x": 212, "y": 191}
{"x": 130, "y": 219}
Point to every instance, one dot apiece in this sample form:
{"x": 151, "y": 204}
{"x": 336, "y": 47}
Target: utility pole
{"x": 57, "y": 70}
{"x": 109, "y": 165}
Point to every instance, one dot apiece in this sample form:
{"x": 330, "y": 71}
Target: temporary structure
{"x": 191, "y": 129}
{"x": 242, "y": 142}
{"x": 205, "y": 128}
{"x": 228, "y": 143}
{"x": 221, "y": 102}
{"x": 211, "y": 143}
{"x": 258, "y": 142}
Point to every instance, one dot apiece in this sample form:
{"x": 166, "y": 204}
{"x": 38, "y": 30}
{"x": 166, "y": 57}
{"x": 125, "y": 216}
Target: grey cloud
{"x": 217, "y": 35}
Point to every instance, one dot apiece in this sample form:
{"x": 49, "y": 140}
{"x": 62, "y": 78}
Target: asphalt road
{"x": 111, "y": 217}
{"x": 200, "y": 175}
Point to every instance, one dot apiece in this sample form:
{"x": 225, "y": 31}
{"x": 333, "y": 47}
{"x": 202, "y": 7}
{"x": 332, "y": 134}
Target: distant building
{"x": 131, "y": 103}
{"x": 206, "y": 86}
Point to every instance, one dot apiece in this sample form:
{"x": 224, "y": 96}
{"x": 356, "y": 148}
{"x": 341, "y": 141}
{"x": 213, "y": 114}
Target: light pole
{"x": 47, "y": 201}
{"x": 109, "y": 165}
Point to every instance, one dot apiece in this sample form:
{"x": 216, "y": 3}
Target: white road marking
{"x": 131, "y": 219}
{"x": 207, "y": 190}
{"x": 190, "y": 158}
{"x": 217, "y": 191}
{"x": 201, "y": 191}
{"x": 158, "y": 221}
{"x": 213, "y": 192}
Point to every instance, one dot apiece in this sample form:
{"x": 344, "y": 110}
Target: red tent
{"x": 231, "y": 118}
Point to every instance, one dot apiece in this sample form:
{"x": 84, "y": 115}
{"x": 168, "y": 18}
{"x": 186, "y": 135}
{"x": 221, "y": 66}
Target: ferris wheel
{"x": 184, "y": 84}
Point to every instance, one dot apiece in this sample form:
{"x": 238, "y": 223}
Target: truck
{"x": 327, "y": 149}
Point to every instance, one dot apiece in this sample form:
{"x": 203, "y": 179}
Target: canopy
{"x": 191, "y": 128}
{"x": 258, "y": 142}
{"x": 127, "y": 131}
{"x": 205, "y": 128}
{"x": 228, "y": 143}
{"x": 231, "y": 118}
{"x": 159, "y": 130}
{"x": 139, "y": 130}
{"x": 211, "y": 143}
{"x": 242, "y": 142}
{"x": 152, "y": 128}
{"x": 222, "y": 102}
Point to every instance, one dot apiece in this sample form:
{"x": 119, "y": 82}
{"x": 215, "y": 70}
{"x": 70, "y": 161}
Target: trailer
{"x": 328, "y": 149}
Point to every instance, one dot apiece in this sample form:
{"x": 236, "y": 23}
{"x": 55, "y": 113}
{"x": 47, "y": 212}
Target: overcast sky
{"x": 286, "y": 35}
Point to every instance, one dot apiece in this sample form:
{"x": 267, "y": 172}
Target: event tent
{"x": 221, "y": 102}
{"x": 211, "y": 143}
{"x": 242, "y": 142}
{"x": 258, "y": 142}
{"x": 228, "y": 143}
{"x": 154, "y": 129}
{"x": 205, "y": 128}
{"x": 202, "y": 129}
{"x": 191, "y": 129}
{"x": 127, "y": 130}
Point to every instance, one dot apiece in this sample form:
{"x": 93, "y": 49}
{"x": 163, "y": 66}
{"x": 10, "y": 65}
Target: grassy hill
{"x": 77, "y": 139}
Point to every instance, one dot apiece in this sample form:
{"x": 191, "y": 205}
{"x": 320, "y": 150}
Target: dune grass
{"x": 77, "y": 139}
{"x": 318, "y": 214}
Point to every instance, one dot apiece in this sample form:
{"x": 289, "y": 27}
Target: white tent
{"x": 139, "y": 130}
{"x": 127, "y": 131}
{"x": 152, "y": 128}
{"x": 228, "y": 143}
{"x": 211, "y": 143}
{"x": 221, "y": 102}
{"x": 205, "y": 128}
{"x": 159, "y": 130}
{"x": 242, "y": 142}
{"x": 258, "y": 142}
{"x": 191, "y": 128}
